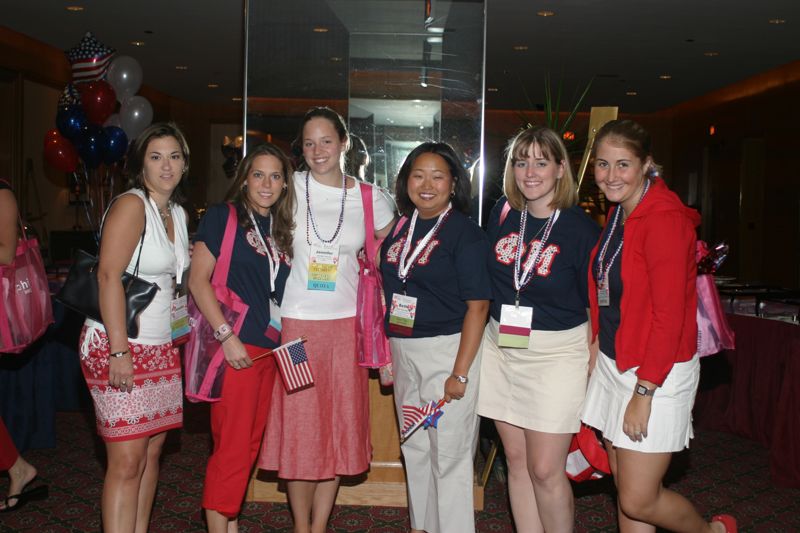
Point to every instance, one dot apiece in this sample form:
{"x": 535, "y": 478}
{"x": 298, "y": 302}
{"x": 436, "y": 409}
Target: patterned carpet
{"x": 721, "y": 473}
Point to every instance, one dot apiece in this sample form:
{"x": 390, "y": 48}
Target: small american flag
{"x": 414, "y": 417}
{"x": 293, "y": 364}
{"x": 89, "y": 60}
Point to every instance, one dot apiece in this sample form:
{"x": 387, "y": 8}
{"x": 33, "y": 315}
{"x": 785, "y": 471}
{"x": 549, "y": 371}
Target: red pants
{"x": 237, "y": 425}
{"x": 8, "y": 452}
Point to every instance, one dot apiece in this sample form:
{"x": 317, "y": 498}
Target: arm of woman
{"x": 122, "y": 231}
{"x": 471, "y": 334}
{"x": 9, "y": 215}
{"x": 203, "y": 262}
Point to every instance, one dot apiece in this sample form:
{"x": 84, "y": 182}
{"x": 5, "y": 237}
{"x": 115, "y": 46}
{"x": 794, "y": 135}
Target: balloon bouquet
{"x": 89, "y": 134}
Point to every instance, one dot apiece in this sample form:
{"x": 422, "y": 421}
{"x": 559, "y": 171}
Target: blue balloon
{"x": 70, "y": 121}
{"x": 92, "y": 145}
{"x": 116, "y": 144}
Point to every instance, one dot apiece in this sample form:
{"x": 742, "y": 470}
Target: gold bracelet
{"x": 119, "y": 354}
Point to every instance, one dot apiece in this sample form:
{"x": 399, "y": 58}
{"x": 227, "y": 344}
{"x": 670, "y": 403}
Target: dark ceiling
{"x": 626, "y": 45}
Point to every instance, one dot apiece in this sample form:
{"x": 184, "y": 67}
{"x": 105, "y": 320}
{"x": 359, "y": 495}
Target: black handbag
{"x": 81, "y": 294}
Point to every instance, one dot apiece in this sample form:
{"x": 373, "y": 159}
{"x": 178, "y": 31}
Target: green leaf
{"x": 578, "y": 104}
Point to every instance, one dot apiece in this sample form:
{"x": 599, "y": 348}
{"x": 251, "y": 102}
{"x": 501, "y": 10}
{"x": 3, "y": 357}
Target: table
{"x": 754, "y": 391}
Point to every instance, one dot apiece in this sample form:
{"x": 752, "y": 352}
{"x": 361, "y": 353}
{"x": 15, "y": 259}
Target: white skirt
{"x": 670, "y": 426}
{"x": 540, "y": 387}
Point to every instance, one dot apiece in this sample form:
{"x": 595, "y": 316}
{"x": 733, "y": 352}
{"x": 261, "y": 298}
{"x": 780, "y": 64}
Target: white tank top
{"x": 161, "y": 262}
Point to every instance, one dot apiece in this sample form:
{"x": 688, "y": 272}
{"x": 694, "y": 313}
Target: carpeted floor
{"x": 721, "y": 473}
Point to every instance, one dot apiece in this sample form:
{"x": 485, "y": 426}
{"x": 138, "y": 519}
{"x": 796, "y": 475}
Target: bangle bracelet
{"x": 226, "y": 337}
{"x": 119, "y": 354}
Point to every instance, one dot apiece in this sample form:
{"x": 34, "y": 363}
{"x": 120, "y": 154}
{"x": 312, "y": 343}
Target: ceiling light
{"x": 336, "y": 59}
{"x": 545, "y": 13}
{"x": 777, "y": 21}
{"x": 491, "y": 89}
{"x": 520, "y": 47}
{"x": 711, "y": 54}
{"x": 435, "y": 39}
{"x": 631, "y": 93}
{"x": 665, "y": 77}
{"x": 320, "y": 29}
{"x": 712, "y": 130}
{"x": 181, "y": 67}
{"x": 213, "y": 85}
{"x": 137, "y": 43}
{"x": 74, "y": 9}
{"x": 423, "y": 84}
{"x": 435, "y": 29}
{"x": 237, "y": 98}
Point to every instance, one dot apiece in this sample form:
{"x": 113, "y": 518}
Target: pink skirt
{"x": 322, "y": 431}
{"x": 156, "y": 402}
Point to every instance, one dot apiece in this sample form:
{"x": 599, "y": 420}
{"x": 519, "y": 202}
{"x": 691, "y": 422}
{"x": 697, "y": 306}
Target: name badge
{"x": 179, "y": 320}
{"x": 515, "y": 326}
{"x": 603, "y": 297}
{"x": 402, "y": 314}
{"x": 322, "y": 268}
{"x": 273, "y": 332}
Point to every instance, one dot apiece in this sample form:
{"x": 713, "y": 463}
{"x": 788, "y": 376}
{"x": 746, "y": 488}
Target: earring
{"x": 453, "y": 193}
{"x": 285, "y": 186}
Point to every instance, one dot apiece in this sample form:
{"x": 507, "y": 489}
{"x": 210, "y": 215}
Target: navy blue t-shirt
{"x": 249, "y": 273}
{"x": 451, "y": 270}
{"x": 610, "y": 314}
{"x": 558, "y": 290}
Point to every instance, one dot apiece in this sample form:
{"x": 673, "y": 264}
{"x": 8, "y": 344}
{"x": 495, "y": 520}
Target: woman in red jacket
{"x": 644, "y": 304}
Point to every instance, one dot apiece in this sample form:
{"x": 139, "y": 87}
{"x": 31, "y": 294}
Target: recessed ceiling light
{"x": 545, "y": 13}
{"x": 491, "y": 89}
{"x": 336, "y": 59}
{"x": 436, "y": 39}
{"x": 237, "y": 98}
{"x": 631, "y": 93}
{"x": 320, "y": 29}
{"x": 520, "y": 47}
{"x": 213, "y": 85}
{"x": 74, "y": 9}
{"x": 777, "y": 21}
{"x": 665, "y": 77}
{"x": 181, "y": 67}
{"x": 711, "y": 54}
{"x": 137, "y": 43}
{"x": 435, "y": 29}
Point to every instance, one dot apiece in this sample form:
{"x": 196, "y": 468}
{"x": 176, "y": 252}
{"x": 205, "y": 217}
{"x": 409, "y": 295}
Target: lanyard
{"x": 272, "y": 253}
{"x": 310, "y": 222}
{"x": 602, "y": 273}
{"x": 406, "y": 262}
{"x": 521, "y": 279}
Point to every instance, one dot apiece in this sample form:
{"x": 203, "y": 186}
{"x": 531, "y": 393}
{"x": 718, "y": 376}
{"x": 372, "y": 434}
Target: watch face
{"x": 641, "y": 389}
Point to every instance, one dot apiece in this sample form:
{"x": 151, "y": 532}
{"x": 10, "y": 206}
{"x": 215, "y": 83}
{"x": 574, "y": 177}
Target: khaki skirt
{"x": 539, "y": 388}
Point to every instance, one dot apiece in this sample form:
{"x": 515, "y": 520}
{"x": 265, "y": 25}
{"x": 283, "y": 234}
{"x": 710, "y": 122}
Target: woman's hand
{"x": 637, "y": 415}
{"x": 120, "y": 372}
{"x": 235, "y": 353}
{"x": 454, "y": 389}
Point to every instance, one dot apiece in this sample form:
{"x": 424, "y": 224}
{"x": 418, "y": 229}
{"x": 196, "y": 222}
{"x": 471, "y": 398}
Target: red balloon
{"x": 59, "y": 152}
{"x": 99, "y": 100}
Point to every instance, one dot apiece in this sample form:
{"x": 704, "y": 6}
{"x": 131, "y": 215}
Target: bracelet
{"x": 460, "y": 379}
{"x": 226, "y": 337}
{"x": 119, "y": 354}
{"x": 223, "y": 332}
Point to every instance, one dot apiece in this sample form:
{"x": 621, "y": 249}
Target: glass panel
{"x": 400, "y": 71}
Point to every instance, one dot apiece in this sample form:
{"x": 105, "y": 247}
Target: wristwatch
{"x": 222, "y": 332}
{"x": 460, "y": 379}
{"x": 641, "y": 390}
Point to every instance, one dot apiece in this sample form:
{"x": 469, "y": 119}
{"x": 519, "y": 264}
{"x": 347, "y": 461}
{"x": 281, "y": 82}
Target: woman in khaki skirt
{"x": 536, "y": 353}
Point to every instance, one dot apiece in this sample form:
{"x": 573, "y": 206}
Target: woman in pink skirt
{"x": 135, "y": 383}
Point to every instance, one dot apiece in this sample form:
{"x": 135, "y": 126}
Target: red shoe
{"x": 728, "y": 521}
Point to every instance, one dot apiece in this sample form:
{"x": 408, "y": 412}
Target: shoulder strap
{"x": 369, "y": 222}
{"x": 399, "y": 225}
{"x": 99, "y": 234}
{"x": 220, "y": 277}
{"x": 504, "y": 211}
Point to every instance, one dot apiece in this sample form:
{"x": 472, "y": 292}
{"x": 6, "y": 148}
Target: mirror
{"x": 401, "y": 72}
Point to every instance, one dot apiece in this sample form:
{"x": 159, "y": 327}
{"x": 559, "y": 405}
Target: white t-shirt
{"x": 162, "y": 260}
{"x": 298, "y": 301}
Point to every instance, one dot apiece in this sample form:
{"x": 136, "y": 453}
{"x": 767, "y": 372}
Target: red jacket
{"x": 658, "y": 311}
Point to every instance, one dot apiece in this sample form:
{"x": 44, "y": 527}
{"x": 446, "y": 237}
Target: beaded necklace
{"x": 522, "y": 279}
{"x": 406, "y": 262}
{"x": 602, "y": 273}
{"x": 272, "y": 253}
{"x": 311, "y": 223}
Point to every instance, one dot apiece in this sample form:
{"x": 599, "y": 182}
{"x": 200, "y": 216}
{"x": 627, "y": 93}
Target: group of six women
{"x": 538, "y": 275}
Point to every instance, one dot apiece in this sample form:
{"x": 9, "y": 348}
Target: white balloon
{"x": 135, "y": 114}
{"x": 125, "y": 76}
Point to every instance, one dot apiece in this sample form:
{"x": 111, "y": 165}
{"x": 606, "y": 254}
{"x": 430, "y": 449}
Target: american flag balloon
{"x": 89, "y": 60}
{"x": 69, "y": 96}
